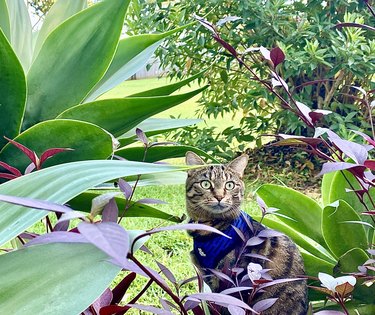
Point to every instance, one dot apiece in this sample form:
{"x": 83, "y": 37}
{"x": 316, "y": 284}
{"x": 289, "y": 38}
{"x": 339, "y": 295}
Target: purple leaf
{"x": 70, "y": 215}
{"x": 151, "y": 201}
{"x": 28, "y": 235}
{"x": 11, "y": 169}
{"x": 269, "y": 233}
{"x": 167, "y": 273}
{"x": 277, "y": 56}
{"x": 264, "y": 304}
{"x": 371, "y": 251}
{"x": 254, "y": 241}
{"x": 339, "y": 166}
{"x": 188, "y": 226}
{"x": 235, "y": 290}
{"x": 221, "y": 275}
{"x": 110, "y": 211}
{"x": 166, "y": 304}
{"x": 51, "y": 152}
{"x": 120, "y": 289}
{"x": 30, "y": 168}
{"x": 228, "y": 19}
{"x": 191, "y": 303}
{"x": 265, "y": 53}
{"x": 57, "y": 237}
{"x": 205, "y": 23}
{"x": 100, "y": 201}
{"x": 109, "y": 237}
{"x": 278, "y": 281}
{"x": 125, "y": 188}
{"x": 226, "y": 45}
{"x": 35, "y": 203}
{"x": 239, "y": 233}
{"x": 61, "y": 226}
{"x": 355, "y": 151}
{"x": 349, "y": 24}
{"x": 235, "y": 310}
{"x": 141, "y": 136}
{"x": 329, "y": 313}
{"x": 366, "y": 137}
{"x": 258, "y": 256}
{"x": 221, "y": 299}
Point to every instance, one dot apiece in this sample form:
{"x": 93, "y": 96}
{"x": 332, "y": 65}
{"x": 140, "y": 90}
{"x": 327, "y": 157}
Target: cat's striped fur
{"x": 213, "y": 197}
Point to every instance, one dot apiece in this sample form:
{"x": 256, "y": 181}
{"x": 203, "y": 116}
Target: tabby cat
{"x": 213, "y": 197}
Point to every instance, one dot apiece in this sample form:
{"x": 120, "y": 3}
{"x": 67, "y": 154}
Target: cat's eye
{"x": 205, "y": 184}
{"x": 229, "y": 185}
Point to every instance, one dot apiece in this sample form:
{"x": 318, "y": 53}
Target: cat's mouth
{"x": 221, "y": 207}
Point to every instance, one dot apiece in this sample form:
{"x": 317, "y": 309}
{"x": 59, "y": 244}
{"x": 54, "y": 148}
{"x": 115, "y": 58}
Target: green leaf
{"x": 58, "y": 274}
{"x": 4, "y": 19}
{"x": 339, "y": 191}
{"x": 64, "y": 72}
{"x": 20, "y": 31}
{"x": 88, "y": 142}
{"x": 60, "y": 184}
{"x": 326, "y": 187}
{"x": 82, "y": 202}
{"x": 154, "y": 126}
{"x": 339, "y": 235}
{"x": 158, "y": 153}
{"x": 301, "y": 240}
{"x": 12, "y": 91}
{"x": 58, "y": 13}
{"x": 168, "y": 89}
{"x": 304, "y": 210}
{"x": 120, "y": 115}
{"x": 131, "y": 55}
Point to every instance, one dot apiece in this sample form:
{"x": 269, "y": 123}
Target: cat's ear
{"x": 239, "y": 164}
{"x": 193, "y": 159}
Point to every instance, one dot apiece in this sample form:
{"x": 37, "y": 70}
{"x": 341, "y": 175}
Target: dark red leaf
{"x": 370, "y": 164}
{"x": 114, "y": 309}
{"x": 11, "y": 169}
{"x": 29, "y": 153}
{"x": 366, "y": 27}
{"x": 7, "y": 176}
{"x": 277, "y": 56}
{"x": 226, "y": 45}
{"x": 102, "y": 301}
{"x": 120, "y": 289}
{"x": 51, "y": 152}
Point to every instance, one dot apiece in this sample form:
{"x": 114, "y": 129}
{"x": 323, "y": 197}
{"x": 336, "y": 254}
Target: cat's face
{"x": 214, "y": 192}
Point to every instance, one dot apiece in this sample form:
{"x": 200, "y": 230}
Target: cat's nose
{"x": 219, "y": 198}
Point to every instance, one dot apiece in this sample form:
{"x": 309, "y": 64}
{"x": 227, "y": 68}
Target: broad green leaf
{"x": 72, "y": 60}
{"x": 20, "y": 31}
{"x": 82, "y": 202}
{"x": 120, "y": 115}
{"x": 168, "y": 89}
{"x": 60, "y": 184}
{"x": 65, "y": 279}
{"x": 339, "y": 191}
{"x": 132, "y": 55}
{"x": 339, "y": 235}
{"x": 58, "y": 13}
{"x": 4, "y": 19}
{"x": 158, "y": 153}
{"x": 12, "y": 91}
{"x": 301, "y": 240}
{"x": 326, "y": 187}
{"x": 154, "y": 126}
{"x": 304, "y": 210}
{"x": 348, "y": 263}
{"x": 88, "y": 141}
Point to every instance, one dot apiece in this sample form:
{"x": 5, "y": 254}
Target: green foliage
{"x": 335, "y": 59}
{"x": 345, "y": 237}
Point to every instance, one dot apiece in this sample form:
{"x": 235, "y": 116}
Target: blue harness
{"x": 209, "y": 250}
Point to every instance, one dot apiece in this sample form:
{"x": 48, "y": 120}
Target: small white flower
{"x": 331, "y": 283}
{"x": 254, "y": 271}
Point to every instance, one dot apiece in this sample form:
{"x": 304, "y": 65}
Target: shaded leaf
{"x": 277, "y": 56}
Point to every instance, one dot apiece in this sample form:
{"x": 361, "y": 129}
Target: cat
{"x": 214, "y": 195}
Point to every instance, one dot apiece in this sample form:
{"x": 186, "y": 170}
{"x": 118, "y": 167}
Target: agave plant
{"x": 52, "y": 82}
